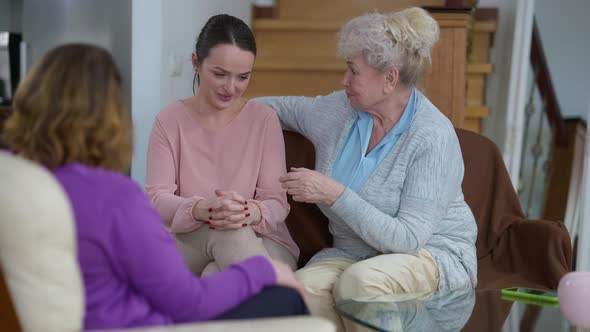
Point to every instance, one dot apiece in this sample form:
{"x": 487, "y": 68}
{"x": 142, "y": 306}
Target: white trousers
{"x": 331, "y": 280}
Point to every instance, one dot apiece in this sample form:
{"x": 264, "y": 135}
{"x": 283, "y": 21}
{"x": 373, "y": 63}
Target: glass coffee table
{"x": 473, "y": 310}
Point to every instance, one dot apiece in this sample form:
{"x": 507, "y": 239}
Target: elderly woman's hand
{"x": 310, "y": 186}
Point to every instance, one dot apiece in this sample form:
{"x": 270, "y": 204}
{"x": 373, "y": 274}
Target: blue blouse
{"x": 354, "y": 166}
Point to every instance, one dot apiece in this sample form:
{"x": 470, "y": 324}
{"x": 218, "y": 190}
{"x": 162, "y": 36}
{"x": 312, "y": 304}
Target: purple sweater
{"x": 133, "y": 273}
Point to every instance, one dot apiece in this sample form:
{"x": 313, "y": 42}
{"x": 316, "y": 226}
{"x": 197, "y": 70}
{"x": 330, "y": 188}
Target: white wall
{"x": 11, "y": 15}
{"x": 564, "y": 29}
{"x": 182, "y": 21}
{"x": 494, "y": 126}
{"x": 105, "y": 23}
{"x": 47, "y": 24}
{"x": 163, "y": 30}
{"x": 146, "y": 32}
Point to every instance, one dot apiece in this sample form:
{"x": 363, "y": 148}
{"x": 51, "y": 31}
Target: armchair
{"x": 511, "y": 250}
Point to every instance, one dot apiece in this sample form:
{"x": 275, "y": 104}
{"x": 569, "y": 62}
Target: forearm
{"x": 381, "y": 231}
{"x": 176, "y": 212}
{"x": 270, "y": 213}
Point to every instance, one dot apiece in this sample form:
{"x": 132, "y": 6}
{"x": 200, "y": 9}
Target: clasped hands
{"x": 226, "y": 210}
{"x": 311, "y": 186}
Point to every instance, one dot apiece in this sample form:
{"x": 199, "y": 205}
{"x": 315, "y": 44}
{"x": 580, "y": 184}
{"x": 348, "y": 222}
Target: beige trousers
{"x": 208, "y": 251}
{"x": 331, "y": 280}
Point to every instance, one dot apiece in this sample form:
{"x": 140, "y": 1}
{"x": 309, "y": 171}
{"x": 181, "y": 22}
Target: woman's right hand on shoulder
{"x": 286, "y": 277}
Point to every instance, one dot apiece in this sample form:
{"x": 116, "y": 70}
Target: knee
{"x": 314, "y": 281}
{"x": 359, "y": 282}
{"x": 240, "y": 234}
{"x": 304, "y": 276}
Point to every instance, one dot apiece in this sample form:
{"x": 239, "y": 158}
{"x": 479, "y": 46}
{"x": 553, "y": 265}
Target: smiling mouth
{"x": 224, "y": 97}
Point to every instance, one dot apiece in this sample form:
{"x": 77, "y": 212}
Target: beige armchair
{"x": 40, "y": 283}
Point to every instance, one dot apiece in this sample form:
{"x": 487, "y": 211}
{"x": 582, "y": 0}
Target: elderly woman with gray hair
{"x": 388, "y": 171}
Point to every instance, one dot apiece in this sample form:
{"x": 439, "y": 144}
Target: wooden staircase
{"x": 481, "y": 38}
{"x": 297, "y": 54}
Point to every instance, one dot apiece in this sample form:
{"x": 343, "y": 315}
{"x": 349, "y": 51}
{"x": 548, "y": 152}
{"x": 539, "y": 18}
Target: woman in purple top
{"x": 70, "y": 115}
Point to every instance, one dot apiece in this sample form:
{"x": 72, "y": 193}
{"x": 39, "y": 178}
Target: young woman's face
{"x": 224, "y": 75}
{"x": 364, "y": 84}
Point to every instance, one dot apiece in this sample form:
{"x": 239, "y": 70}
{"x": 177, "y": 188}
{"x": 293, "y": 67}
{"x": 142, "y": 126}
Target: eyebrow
{"x": 225, "y": 71}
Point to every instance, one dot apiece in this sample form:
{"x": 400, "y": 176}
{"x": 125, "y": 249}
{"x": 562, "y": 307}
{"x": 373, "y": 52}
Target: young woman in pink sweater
{"x": 214, "y": 160}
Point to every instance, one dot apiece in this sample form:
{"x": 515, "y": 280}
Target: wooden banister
{"x": 546, "y": 90}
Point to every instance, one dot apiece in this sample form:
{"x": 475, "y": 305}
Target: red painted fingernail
{"x": 210, "y": 209}
{"x": 244, "y": 225}
{"x": 246, "y": 203}
{"x": 247, "y": 214}
{"x": 246, "y": 208}
{"x": 210, "y": 217}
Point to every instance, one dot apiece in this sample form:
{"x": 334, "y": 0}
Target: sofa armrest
{"x": 540, "y": 250}
{"x": 290, "y": 324}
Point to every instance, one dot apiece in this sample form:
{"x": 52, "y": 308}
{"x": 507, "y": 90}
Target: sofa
{"x": 511, "y": 250}
{"x": 40, "y": 281}
{"x": 37, "y": 253}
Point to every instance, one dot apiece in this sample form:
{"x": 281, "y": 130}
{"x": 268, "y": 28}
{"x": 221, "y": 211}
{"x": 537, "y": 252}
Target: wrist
{"x": 197, "y": 212}
{"x": 255, "y": 212}
{"x": 336, "y": 193}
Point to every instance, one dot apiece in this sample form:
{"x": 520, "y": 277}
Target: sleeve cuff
{"x": 264, "y": 226}
{"x": 183, "y": 221}
{"x": 195, "y": 200}
{"x": 260, "y": 272}
{"x": 343, "y": 202}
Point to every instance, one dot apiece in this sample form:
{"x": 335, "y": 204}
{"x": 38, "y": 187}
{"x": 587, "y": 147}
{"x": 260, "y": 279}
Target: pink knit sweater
{"x": 187, "y": 162}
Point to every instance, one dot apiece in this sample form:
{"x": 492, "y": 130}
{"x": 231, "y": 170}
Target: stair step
{"x": 295, "y": 25}
{"x": 336, "y": 65}
{"x": 316, "y": 65}
{"x": 266, "y": 24}
{"x": 293, "y": 82}
{"x": 479, "y": 68}
{"x": 312, "y": 83}
{"x": 330, "y": 9}
{"x": 485, "y": 26}
{"x": 476, "y": 112}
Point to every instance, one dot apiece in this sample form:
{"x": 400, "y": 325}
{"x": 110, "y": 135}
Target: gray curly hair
{"x": 403, "y": 39}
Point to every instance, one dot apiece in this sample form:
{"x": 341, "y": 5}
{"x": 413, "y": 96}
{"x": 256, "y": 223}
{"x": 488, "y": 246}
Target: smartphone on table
{"x": 534, "y": 296}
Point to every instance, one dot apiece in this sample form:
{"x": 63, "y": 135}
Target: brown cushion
{"x": 307, "y": 224}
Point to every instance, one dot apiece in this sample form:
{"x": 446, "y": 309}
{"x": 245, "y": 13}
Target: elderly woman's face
{"x": 364, "y": 84}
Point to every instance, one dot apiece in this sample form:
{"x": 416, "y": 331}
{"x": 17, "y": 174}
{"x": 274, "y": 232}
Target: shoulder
{"x": 259, "y": 110}
{"x": 171, "y": 115}
{"x": 336, "y": 100}
{"x": 262, "y": 114}
{"x": 106, "y": 203}
{"x": 94, "y": 183}
{"x": 430, "y": 126}
{"x": 331, "y": 110}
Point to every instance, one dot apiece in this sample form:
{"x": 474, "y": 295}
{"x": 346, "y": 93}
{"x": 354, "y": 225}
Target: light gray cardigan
{"x": 412, "y": 200}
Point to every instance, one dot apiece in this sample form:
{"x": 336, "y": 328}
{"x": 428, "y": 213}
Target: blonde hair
{"x": 70, "y": 108}
{"x": 403, "y": 39}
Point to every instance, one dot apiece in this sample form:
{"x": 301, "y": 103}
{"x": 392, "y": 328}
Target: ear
{"x": 391, "y": 79}
{"x": 195, "y": 61}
